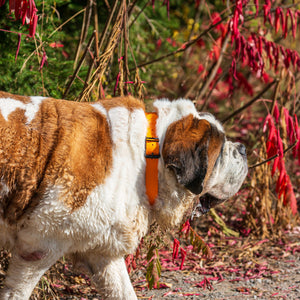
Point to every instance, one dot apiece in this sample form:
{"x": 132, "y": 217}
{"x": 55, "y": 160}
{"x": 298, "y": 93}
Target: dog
{"x": 88, "y": 179}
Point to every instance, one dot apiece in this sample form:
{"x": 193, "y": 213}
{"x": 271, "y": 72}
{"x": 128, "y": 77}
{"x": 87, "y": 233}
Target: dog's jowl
{"x": 73, "y": 182}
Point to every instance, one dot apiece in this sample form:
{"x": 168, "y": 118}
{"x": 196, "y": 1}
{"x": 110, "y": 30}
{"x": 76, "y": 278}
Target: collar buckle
{"x": 152, "y": 147}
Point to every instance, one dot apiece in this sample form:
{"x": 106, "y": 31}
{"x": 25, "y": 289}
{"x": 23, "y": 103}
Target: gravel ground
{"x": 282, "y": 285}
{"x": 247, "y": 269}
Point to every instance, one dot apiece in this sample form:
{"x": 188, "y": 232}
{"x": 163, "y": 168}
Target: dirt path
{"x": 281, "y": 280}
{"x": 240, "y": 269}
{"x": 249, "y": 270}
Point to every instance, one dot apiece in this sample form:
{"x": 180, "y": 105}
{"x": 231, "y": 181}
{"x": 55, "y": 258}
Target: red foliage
{"x": 18, "y": 46}
{"x": 284, "y": 186}
{"x": 43, "y": 60}
{"x": 175, "y": 249}
{"x": 26, "y": 11}
{"x": 250, "y": 51}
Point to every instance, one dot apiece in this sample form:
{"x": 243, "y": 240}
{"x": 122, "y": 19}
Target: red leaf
{"x": 289, "y": 124}
{"x": 243, "y": 82}
{"x": 101, "y": 89}
{"x": 183, "y": 255}
{"x": 167, "y": 3}
{"x": 158, "y": 44}
{"x": 32, "y": 26}
{"x": 266, "y": 9}
{"x": 286, "y": 25}
{"x": 280, "y": 185}
{"x": 175, "y": 249}
{"x": 215, "y": 17}
{"x": 18, "y": 46}
{"x": 277, "y": 19}
{"x": 238, "y": 46}
{"x": 200, "y": 68}
{"x": 56, "y": 45}
{"x": 256, "y": 2}
{"x": 272, "y": 129}
{"x": 186, "y": 227}
{"x": 268, "y": 47}
{"x": 260, "y": 45}
{"x": 276, "y": 113}
{"x": 267, "y": 120}
{"x": 293, "y": 24}
{"x": 233, "y": 69}
{"x": 280, "y": 145}
{"x": 43, "y": 60}
{"x": 200, "y": 43}
{"x": 117, "y": 82}
{"x": 290, "y": 197}
{"x": 65, "y": 54}
{"x": 296, "y": 126}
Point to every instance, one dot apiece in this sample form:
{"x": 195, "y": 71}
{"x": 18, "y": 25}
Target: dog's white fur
{"x": 116, "y": 214}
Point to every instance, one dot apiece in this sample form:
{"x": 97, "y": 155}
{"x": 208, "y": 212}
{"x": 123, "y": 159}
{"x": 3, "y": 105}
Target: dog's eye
{"x": 242, "y": 149}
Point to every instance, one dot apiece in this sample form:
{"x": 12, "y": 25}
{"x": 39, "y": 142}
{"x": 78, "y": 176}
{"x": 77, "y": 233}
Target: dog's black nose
{"x": 242, "y": 149}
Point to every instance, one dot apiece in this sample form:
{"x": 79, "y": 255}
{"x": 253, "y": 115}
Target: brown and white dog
{"x": 73, "y": 182}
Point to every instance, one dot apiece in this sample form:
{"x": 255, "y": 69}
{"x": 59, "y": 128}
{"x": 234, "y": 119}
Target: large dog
{"x": 73, "y": 182}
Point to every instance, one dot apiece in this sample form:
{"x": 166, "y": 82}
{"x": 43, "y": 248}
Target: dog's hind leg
{"x": 25, "y": 270}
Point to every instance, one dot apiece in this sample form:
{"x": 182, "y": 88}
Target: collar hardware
{"x": 152, "y": 154}
{"x": 152, "y": 147}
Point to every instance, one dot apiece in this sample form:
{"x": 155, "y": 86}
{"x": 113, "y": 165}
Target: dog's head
{"x": 197, "y": 153}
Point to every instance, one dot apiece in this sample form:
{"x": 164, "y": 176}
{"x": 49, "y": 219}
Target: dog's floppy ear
{"x": 191, "y": 148}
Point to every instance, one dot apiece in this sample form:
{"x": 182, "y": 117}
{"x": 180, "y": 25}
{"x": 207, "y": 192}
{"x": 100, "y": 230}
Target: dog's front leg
{"x": 109, "y": 275}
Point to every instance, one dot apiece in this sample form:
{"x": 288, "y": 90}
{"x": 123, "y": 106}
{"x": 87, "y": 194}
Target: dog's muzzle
{"x": 206, "y": 202}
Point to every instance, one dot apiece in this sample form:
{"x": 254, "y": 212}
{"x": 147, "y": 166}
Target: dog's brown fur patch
{"x": 128, "y": 102}
{"x": 189, "y": 133}
{"x": 67, "y": 144}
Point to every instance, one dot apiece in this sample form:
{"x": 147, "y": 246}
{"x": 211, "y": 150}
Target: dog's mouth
{"x": 206, "y": 202}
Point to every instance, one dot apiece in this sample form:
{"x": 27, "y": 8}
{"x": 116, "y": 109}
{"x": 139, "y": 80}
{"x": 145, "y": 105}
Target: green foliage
{"x": 154, "y": 267}
{"x": 24, "y": 76}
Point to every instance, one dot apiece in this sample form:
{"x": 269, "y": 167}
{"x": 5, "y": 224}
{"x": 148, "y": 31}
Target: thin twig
{"x": 107, "y": 5}
{"x": 257, "y": 97}
{"x": 224, "y": 74}
{"x": 275, "y": 96}
{"x": 107, "y": 24}
{"x": 125, "y": 66}
{"x": 79, "y": 65}
{"x": 274, "y": 156}
{"x": 139, "y": 13}
{"x": 52, "y": 33}
{"x": 96, "y": 30}
{"x": 84, "y": 29}
{"x": 130, "y": 9}
{"x": 112, "y": 42}
{"x": 214, "y": 69}
{"x": 183, "y": 48}
{"x": 192, "y": 31}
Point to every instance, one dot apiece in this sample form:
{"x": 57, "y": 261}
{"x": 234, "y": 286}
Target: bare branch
{"x": 183, "y": 47}
{"x": 274, "y": 156}
{"x": 68, "y": 86}
{"x": 213, "y": 70}
{"x": 257, "y": 97}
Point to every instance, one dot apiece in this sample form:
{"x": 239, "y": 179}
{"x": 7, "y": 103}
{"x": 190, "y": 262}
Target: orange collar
{"x": 152, "y": 155}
